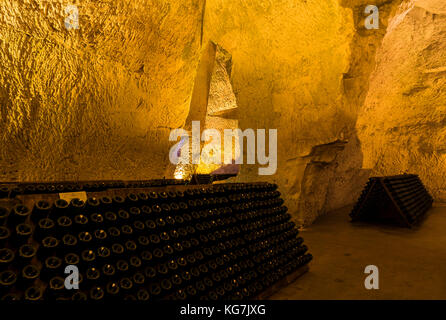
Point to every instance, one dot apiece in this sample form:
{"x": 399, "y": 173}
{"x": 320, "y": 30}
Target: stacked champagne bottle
{"x": 225, "y": 241}
{"x": 11, "y": 190}
{"x": 402, "y": 194}
{"x": 411, "y": 195}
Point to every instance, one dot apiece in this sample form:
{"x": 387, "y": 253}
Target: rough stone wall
{"x": 402, "y": 126}
{"x": 97, "y": 102}
{"x": 289, "y": 58}
{"x": 303, "y": 67}
{"x": 348, "y": 178}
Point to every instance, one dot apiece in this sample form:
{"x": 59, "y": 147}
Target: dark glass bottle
{"x": 52, "y": 266}
{"x": 8, "y": 278}
{"x": 71, "y": 259}
{"x": 79, "y": 296}
{"x": 60, "y": 208}
{"x": 4, "y": 214}
{"x": 29, "y": 274}
{"x": 96, "y": 221}
{"x": 76, "y": 206}
{"x": 19, "y": 215}
{"x": 80, "y": 222}
{"x": 126, "y": 231}
{"x": 112, "y": 290}
{"x": 56, "y": 288}
{"x": 4, "y": 192}
{"x": 69, "y": 242}
{"x": 155, "y": 289}
{"x": 6, "y": 258}
{"x": 117, "y": 250}
{"x": 146, "y": 256}
{"x": 138, "y": 279}
{"x": 97, "y": 293}
{"x": 92, "y": 276}
{"x": 118, "y": 201}
{"x": 122, "y": 266}
{"x": 10, "y": 297}
{"x": 25, "y": 253}
{"x": 132, "y": 200}
{"x": 143, "y": 295}
{"x": 126, "y": 285}
{"x": 88, "y": 257}
{"x": 135, "y": 213}
{"x": 5, "y": 234}
{"x": 33, "y": 293}
{"x": 84, "y": 239}
{"x": 108, "y": 270}
{"x": 63, "y": 226}
{"x": 42, "y": 209}
{"x": 92, "y": 204}
{"x": 105, "y": 202}
{"x": 110, "y": 219}
{"x": 100, "y": 237}
{"x": 123, "y": 216}
{"x": 103, "y": 254}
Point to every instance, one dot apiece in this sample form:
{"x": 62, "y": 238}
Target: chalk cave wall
{"x": 96, "y": 102}
{"x": 99, "y": 102}
{"x": 302, "y": 67}
{"x": 402, "y": 125}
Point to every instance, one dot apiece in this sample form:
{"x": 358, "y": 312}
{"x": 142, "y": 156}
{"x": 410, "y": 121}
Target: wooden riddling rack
{"x": 275, "y": 282}
{"x": 397, "y": 200}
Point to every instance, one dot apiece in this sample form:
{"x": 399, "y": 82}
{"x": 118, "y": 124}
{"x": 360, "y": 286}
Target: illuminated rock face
{"x": 290, "y": 61}
{"x": 99, "y": 102}
{"x": 96, "y": 102}
{"x": 402, "y": 126}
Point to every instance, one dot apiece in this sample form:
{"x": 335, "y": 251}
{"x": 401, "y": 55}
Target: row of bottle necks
{"x": 241, "y": 288}
{"x": 250, "y": 232}
{"x": 168, "y": 251}
{"x": 135, "y": 221}
{"x": 132, "y": 203}
{"x": 102, "y": 229}
{"x": 12, "y": 190}
{"x": 233, "y": 227}
{"x": 163, "y": 279}
{"x": 261, "y": 255}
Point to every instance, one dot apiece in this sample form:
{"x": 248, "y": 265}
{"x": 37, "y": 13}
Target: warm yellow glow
{"x": 178, "y": 175}
{"x": 184, "y": 171}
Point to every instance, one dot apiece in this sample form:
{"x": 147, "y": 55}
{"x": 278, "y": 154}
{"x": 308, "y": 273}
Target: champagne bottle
{"x": 25, "y": 253}
{"x": 97, "y": 293}
{"x": 33, "y": 293}
{"x": 6, "y": 258}
{"x": 19, "y": 215}
{"x": 29, "y": 274}
{"x": 23, "y": 232}
{"x": 42, "y": 209}
{"x": 51, "y": 267}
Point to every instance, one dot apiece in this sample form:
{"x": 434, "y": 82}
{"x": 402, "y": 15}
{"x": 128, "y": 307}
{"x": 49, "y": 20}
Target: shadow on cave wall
{"x": 332, "y": 179}
{"x": 334, "y": 176}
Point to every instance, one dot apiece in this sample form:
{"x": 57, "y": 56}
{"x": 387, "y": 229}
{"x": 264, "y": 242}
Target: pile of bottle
{"x": 410, "y": 195}
{"x": 406, "y": 191}
{"x": 213, "y": 242}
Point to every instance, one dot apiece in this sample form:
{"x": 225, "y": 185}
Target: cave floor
{"x": 411, "y": 262}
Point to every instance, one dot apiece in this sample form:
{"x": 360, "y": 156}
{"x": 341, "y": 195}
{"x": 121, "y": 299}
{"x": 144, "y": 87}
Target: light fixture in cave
{"x": 179, "y": 173}
{"x": 184, "y": 171}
